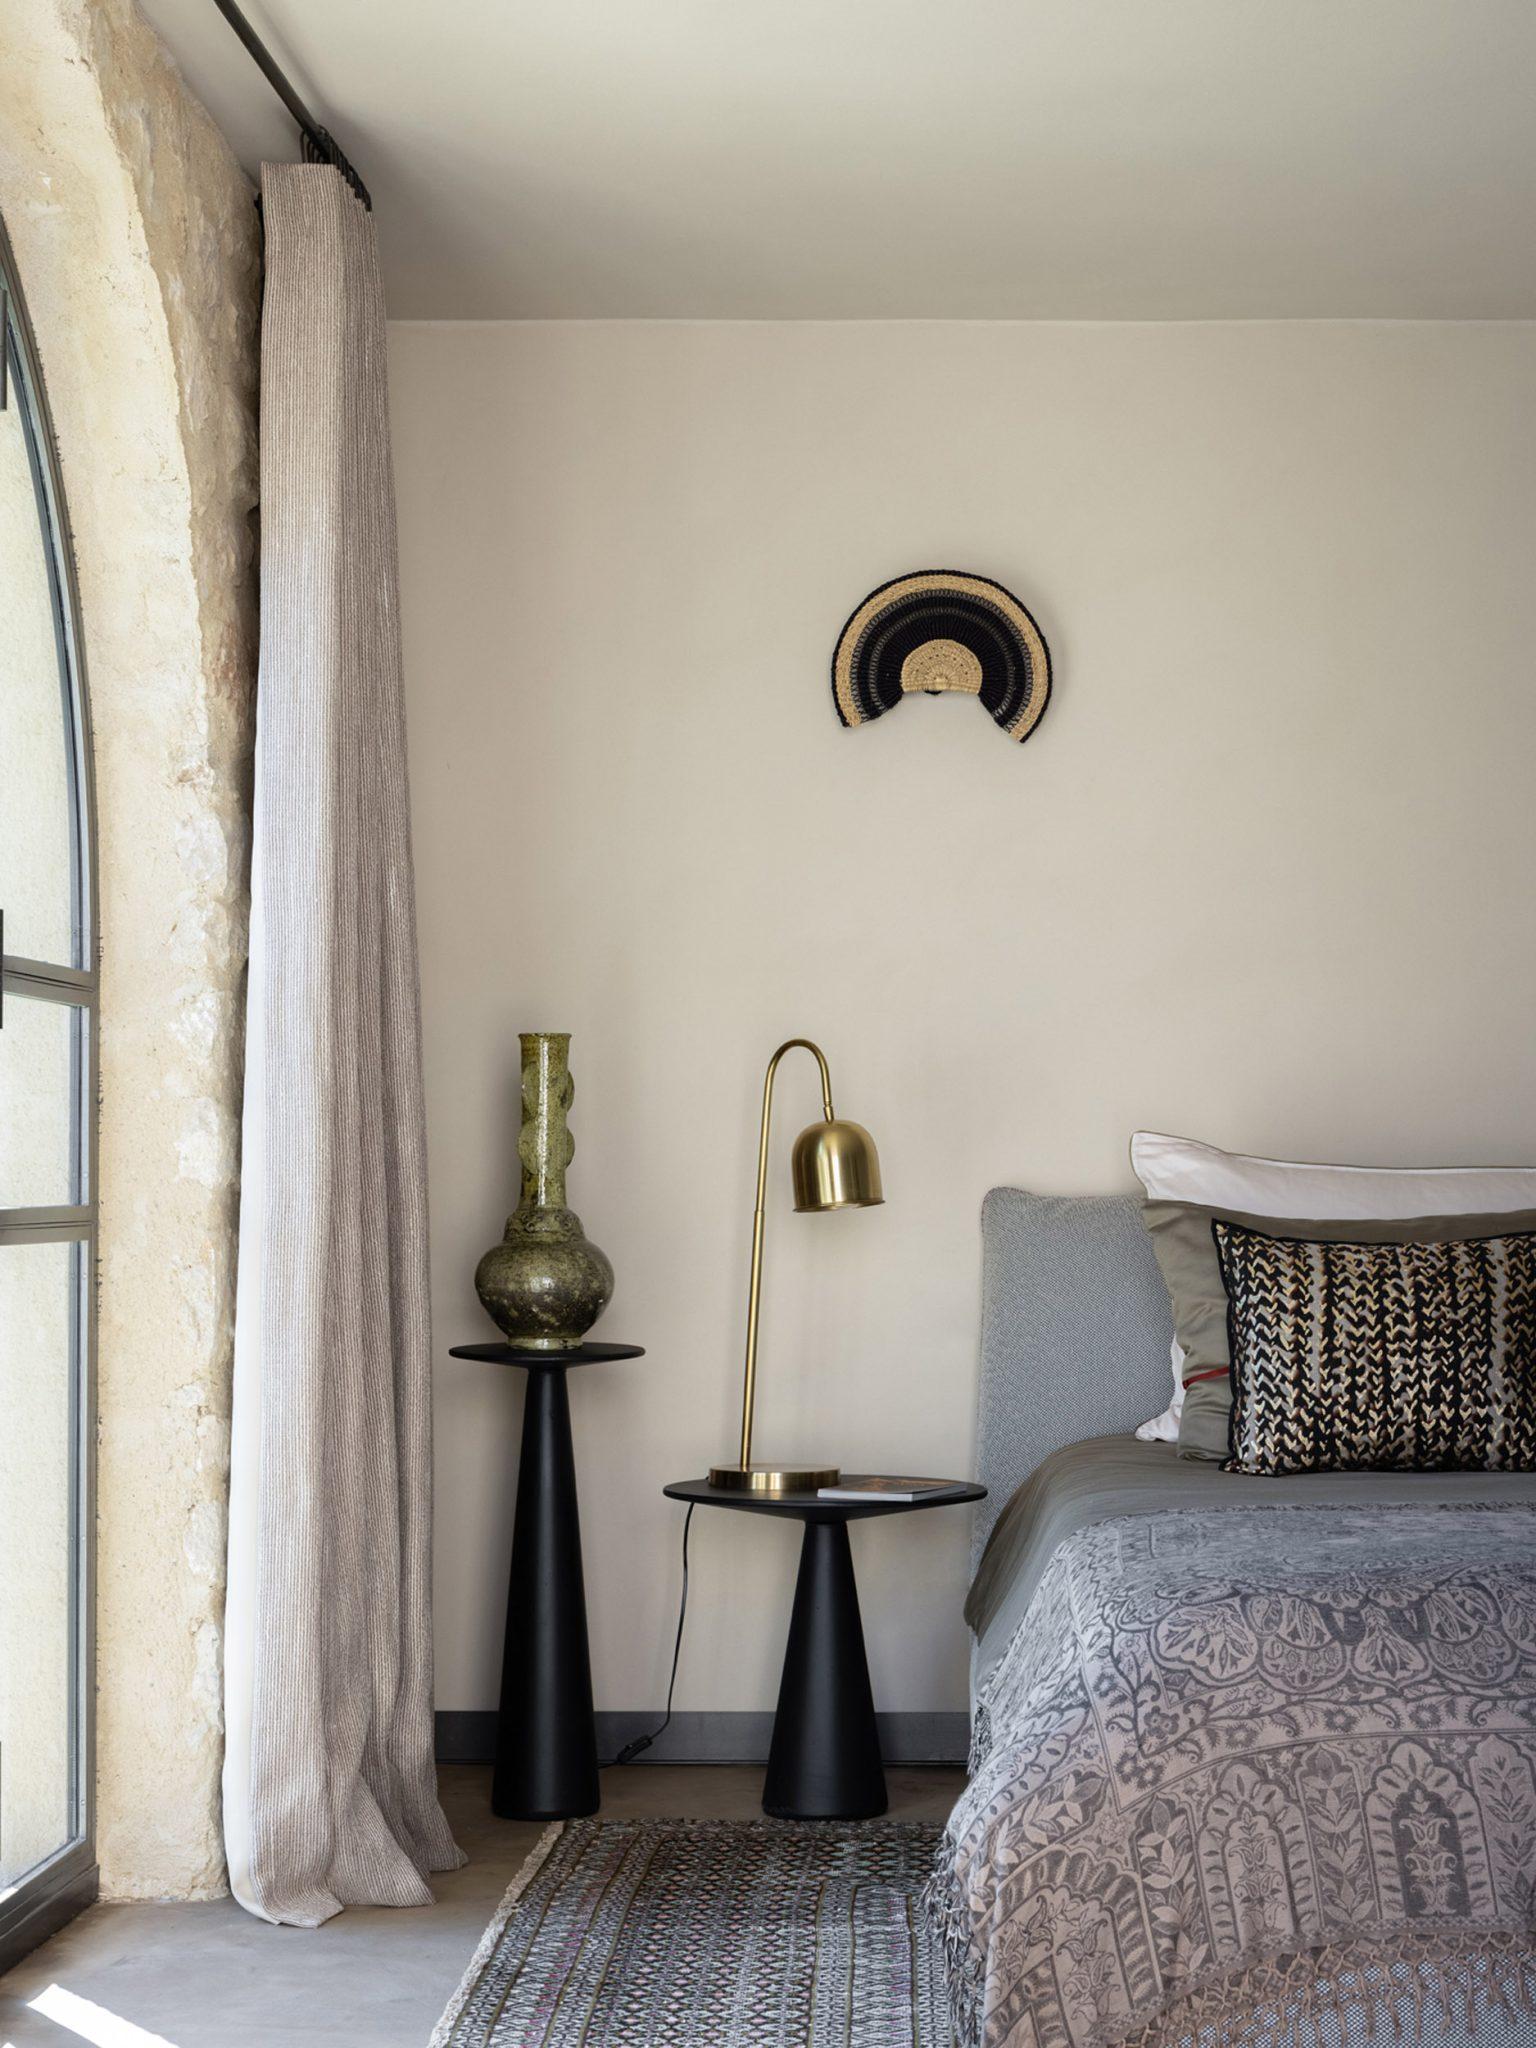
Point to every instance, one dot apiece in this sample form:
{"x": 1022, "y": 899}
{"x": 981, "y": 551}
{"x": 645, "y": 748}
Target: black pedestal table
{"x": 824, "y": 1762}
{"x": 546, "y": 1746}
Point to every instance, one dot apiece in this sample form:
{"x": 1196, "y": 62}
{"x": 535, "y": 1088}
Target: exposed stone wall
{"x": 137, "y": 242}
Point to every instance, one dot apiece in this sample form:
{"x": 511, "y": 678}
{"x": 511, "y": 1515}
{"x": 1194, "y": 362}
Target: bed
{"x": 1253, "y": 1760}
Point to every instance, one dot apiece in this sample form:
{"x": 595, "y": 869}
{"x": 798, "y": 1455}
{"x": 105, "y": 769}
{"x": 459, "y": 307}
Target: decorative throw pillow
{"x": 1184, "y": 1170}
{"x": 1186, "y": 1255}
{"x": 1417, "y": 1356}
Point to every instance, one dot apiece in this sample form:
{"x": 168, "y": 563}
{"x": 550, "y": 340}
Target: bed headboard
{"x": 1075, "y": 1330}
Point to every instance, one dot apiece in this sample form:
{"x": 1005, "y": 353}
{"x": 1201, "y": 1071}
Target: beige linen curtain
{"x": 329, "y": 1789}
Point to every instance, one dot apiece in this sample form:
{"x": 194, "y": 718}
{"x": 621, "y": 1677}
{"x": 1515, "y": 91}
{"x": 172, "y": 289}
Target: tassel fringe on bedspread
{"x": 1402, "y": 1994}
{"x": 1405, "y": 1991}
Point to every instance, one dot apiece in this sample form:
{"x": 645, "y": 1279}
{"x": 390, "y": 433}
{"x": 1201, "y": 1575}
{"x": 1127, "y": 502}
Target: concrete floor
{"x": 209, "y": 1976}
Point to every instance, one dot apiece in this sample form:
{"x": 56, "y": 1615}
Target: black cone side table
{"x": 546, "y": 1745}
{"x": 824, "y": 1762}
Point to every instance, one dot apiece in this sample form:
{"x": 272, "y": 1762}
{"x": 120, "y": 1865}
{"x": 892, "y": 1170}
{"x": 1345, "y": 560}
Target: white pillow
{"x": 1184, "y": 1170}
{"x": 1164, "y": 1428}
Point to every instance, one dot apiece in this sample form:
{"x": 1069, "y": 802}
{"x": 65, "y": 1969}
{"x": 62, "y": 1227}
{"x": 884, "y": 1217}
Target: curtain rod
{"x": 320, "y": 146}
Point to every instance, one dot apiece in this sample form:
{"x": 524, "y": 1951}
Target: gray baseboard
{"x": 470, "y": 1737}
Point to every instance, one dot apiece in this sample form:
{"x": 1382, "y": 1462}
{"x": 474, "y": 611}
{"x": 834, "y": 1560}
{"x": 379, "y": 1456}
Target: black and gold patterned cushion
{"x": 1417, "y": 1356}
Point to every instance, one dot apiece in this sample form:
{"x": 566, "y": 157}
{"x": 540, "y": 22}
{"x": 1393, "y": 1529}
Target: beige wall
{"x": 1262, "y": 875}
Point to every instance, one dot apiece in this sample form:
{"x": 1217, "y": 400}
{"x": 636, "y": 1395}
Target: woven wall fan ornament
{"x": 941, "y": 630}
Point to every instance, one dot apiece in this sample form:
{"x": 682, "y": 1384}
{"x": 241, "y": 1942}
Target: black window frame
{"x": 53, "y": 1891}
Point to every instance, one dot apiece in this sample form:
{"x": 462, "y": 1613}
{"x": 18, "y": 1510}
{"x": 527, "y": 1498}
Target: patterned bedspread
{"x": 1237, "y": 1768}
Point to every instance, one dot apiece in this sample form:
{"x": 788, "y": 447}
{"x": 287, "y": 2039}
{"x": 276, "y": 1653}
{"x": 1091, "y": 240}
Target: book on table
{"x": 882, "y": 1486}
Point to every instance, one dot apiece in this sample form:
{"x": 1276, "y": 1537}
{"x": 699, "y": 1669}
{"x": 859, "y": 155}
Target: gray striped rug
{"x": 710, "y": 1934}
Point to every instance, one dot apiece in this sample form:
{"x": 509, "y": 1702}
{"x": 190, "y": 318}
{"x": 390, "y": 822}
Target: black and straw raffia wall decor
{"x": 941, "y": 630}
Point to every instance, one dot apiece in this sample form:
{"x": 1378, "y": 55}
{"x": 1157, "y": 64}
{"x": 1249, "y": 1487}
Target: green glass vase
{"x": 544, "y": 1285}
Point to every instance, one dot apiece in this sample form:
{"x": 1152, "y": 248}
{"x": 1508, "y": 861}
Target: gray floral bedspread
{"x": 1235, "y": 1760}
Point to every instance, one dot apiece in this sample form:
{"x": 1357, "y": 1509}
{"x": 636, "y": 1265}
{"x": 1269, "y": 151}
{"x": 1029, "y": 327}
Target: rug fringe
{"x": 527, "y": 1871}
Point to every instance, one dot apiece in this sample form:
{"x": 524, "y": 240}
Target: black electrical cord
{"x": 642, "y": 1743}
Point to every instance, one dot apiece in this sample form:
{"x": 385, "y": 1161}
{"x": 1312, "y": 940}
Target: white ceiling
{"x": 983, "y": 159}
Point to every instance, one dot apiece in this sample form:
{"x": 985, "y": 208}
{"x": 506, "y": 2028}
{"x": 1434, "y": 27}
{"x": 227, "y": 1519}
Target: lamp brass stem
{"x": 754, "y": 1291}
{"x": 832, "y": 1165}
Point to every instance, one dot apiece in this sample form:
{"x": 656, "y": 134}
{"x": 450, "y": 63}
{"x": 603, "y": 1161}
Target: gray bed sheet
{"x": 1119, "y": 1475}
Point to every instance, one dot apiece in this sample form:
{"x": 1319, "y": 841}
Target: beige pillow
{"x": 1186, "y": 1254}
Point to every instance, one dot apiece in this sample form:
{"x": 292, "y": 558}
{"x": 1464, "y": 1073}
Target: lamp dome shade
{"x": 835, "y": 1166}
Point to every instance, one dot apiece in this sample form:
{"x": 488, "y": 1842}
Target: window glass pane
{"x": 37, "y": 1553}
{"x": 36, "y": 888}
{"x": 37, "y": 1104}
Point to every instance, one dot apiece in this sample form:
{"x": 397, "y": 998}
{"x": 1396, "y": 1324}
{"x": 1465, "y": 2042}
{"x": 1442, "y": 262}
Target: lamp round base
{"x": 772, "y": 1478}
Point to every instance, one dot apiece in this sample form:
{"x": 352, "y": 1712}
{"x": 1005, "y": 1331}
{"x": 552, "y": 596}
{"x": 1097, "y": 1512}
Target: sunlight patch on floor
{"x": 93, "y": 2023}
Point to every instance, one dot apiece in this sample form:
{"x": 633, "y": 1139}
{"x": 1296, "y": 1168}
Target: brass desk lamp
{"x": 834, "y": 1165}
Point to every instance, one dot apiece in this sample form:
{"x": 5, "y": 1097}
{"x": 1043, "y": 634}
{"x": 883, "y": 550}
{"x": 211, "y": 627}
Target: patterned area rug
{"x": 710, "y": 1934}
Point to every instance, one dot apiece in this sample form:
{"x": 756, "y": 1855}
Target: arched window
{"x": 47, "y": 1174}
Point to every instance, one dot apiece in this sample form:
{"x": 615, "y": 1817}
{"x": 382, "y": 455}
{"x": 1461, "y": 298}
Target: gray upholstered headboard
{"x": 1075, "y": 1330}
